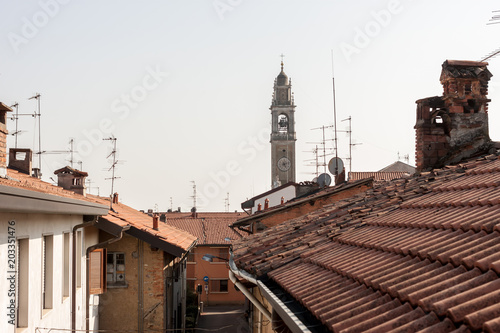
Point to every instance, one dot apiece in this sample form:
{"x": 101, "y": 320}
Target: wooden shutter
{"x": 97, "y": 271}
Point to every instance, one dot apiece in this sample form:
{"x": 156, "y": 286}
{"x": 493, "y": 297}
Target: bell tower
{"x": 282, "y": 132}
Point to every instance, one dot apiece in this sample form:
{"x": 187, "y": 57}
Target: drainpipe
{"x": 90, "y": 249}
{"x": 73, "y": 270}
{"x": 244, "y": 290}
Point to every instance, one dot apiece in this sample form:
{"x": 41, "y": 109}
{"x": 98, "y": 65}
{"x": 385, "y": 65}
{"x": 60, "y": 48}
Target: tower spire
{"x": 282, "y": 56}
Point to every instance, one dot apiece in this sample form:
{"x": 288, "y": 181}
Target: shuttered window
{"x": 97, "y": 276}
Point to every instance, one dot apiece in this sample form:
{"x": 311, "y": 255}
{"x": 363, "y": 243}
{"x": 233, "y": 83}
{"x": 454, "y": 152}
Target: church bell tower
{"x": 282, "y": 132}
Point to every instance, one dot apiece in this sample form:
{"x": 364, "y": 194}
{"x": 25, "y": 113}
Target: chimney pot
{"x": 259, "y": 207}
{"x": 266, "y": 204}
{"x": 115, "y": 198}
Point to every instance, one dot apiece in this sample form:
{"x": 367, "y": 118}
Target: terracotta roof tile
{"x": 123, "y": 215}
{"x": 429, "y": 243}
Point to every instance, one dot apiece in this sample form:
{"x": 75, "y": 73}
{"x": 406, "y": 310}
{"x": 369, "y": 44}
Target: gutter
{"x": 293, "y": 323}
{"x": 233, "y": 271}
{"x": 90, "y": 249}
{"x": 290, "y": 319}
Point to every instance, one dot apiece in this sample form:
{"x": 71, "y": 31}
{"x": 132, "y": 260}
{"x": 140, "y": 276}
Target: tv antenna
{"x": 194, "y": 195}
{"x": 323, "y": 143}
{"x": 226, "y": 202}
{"x": 89, "y": 186}
{"x": 349, "y": 131}
{"x": 334, "y": 109}
{"x": 16, "y": 118}
{"x": 35, "y": 115}
{"x": 494, "y": 20}
{"x": 113, "y": 167}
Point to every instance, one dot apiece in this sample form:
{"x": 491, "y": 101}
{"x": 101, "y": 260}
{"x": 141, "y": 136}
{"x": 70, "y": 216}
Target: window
{"x": 219, "y": 286}
{"x": 190, "y": 257}
{"x": 97, "y": 278}
{"x": 23, "y": 268}
{"x": 48, "y": 271}
{"x": 115, "y": 271}
{"x": 191, "y": 284}
{"x": 66, "y": 267}
{"x": 222, "y": 253}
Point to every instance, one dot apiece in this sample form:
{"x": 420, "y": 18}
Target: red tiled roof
{"x": 209, "y": 228}
{"x": 377, "y": 176}
{"x": 416, "y": 254}
{"x": 123, "y": 215}
{"x": 23, "y": 181}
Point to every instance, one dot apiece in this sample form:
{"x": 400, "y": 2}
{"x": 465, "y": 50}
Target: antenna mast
{"x": 334, "y": 118}
{"x": 38, "y": 114}
{"x": 16, "y": 117}
{"x": 194, "y": 195}
{"x": 113, "y": 166}
{"x": 227, "y": 202}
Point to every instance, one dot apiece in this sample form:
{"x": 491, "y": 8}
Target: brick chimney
{"x": 3, "y": 138}
{"x": 20, "y": 159}
{"x": 72, "y": 180}
{"x": 155, "y": 222}
{"x": 454, "y": 126}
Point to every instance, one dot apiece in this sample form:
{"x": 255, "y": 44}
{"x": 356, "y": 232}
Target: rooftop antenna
{"x": 35, "y": 115}
{"x": 349, "y": 131}
{"x": 16, "y": 118}
{"x": 493, "y": 20}
{"x": 90, "y": 187}
{"x": 113, "y": 166}
{"x": 334, "y": 118}
{"x": 323, "y": 143}
{"x": 194, "y": 195}
{"x": 226, "y": 202}
{"x": 71, "y": 141}
{"x": 171, "y": 205}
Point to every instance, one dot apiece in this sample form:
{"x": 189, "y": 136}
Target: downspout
{"x": 90, "y": 249}
{"x": 73, "y": 271}
{"x": 232, "y": 270}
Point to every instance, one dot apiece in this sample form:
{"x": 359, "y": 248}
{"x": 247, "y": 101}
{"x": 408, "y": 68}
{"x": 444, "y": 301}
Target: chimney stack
{"x": 3, "y": 138}
{"x": 20, "y": 159}
{"x": 115, "y": 198}
{"x": 454, "y": 126}
{"x": 155, "y": 222}
{"x": 72, "y": 180}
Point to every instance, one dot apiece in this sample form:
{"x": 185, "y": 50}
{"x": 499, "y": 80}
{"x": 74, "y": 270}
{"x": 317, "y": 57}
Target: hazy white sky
{"x": 185, "y": 86}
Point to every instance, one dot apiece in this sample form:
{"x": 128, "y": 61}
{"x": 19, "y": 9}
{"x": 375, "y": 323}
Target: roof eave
{"x": 20, "y": 200}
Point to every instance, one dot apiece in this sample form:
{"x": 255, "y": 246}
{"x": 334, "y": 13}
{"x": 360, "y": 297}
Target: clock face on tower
{"x": 284, "y": 164}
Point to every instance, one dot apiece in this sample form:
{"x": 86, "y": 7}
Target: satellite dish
{"x": 324, "y": 180}
{"x": 336, "y": 165}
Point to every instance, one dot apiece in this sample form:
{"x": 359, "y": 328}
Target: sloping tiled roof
{"x": 23, "y": 181}
{"x": 209, "y": 228}
{"x": 416, "y": 254}
{"x": 123, "y": 215}
{"x": 377, "y": 176}
{"x": 399, "y": 166}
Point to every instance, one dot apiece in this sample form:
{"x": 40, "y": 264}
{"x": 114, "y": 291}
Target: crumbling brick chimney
{"x": 3, "y": 138}
{"x": 454, "y": 126}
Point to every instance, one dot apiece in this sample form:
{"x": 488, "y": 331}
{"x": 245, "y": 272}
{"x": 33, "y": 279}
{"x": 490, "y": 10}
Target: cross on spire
{"x": 282, "y": 56}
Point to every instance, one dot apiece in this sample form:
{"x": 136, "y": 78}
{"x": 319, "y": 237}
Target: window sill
{"x": 117, "y": 286}
{"x": 219, "y": 292}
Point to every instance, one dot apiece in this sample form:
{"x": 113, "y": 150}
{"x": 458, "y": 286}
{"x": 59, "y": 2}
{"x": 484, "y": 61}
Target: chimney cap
{"x": 68, "y": 169}
{"x": 4, "y": 107}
